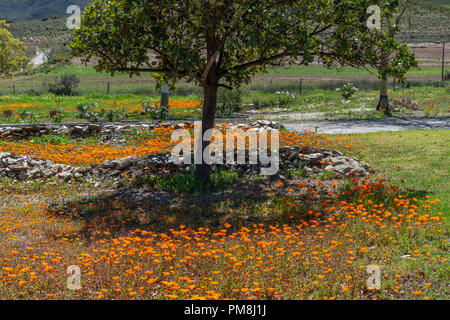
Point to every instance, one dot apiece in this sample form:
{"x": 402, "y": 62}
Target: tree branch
{"x": 260, "y": 61}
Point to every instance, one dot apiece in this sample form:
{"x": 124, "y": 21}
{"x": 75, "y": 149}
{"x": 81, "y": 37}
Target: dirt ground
{"x": 430, "y": 54}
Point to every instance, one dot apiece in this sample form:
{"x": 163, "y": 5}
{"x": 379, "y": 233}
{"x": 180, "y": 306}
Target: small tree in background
{"x": 12, "y": 53}
{"x": 222, "y": 43}
{"x": 64, "y": 85}
{"x": 394, "y": 59}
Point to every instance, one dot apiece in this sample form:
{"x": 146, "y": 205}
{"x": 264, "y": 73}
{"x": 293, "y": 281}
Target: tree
{"x": 12, "y": 53}
{"x": 220, "y": 43}
{"x": 394, "y": 59}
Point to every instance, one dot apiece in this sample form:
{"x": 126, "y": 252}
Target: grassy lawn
{"x": 429, "y": 102}
{"x": 321, "y": 71}
{"x": 419, "y": 158}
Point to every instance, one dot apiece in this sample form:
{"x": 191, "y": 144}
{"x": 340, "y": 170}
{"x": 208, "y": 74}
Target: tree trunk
{"x": 383, "y": 103}
{"x": 202, "y": 171}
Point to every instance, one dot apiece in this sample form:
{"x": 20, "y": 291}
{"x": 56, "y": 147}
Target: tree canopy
{"x": 240, "y": 37}
{"x": 223, "y": 43}
{"x": 391, "y": 58}
{"x": 12, "y": 53}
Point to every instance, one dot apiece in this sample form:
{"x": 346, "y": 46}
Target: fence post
{"x": 443, "y": 60}
{"x": 165, "y": 96}
{"x": 107, "y": 91}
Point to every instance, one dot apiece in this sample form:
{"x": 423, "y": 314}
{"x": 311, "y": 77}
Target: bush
{"x": 155, "y": 112}
{"x": 87, "y": 111}
{"x": 347, "y": 91}
{"x": 284, "y": 98}
{"x": 228, "y": 101}
{"x": 64, "y": 85}
{"x": 57, "y": 115}
{"x": 111, "y": 115}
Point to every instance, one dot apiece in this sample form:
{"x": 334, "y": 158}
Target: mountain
{"x": 21, "y": 10}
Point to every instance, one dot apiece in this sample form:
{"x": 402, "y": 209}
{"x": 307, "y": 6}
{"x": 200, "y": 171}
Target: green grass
{"x": 188, "y": 183}
{"x": 419, "y": 157}
{"x": 433, "y": 102}
{"x": 23, "y": 105}
{"x": 92, "y": 82}
{"x": 318, "y": 70}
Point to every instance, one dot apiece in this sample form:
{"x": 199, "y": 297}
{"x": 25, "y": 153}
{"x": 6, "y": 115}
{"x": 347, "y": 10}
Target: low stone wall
{"x": 312, "y": 160}
{"x": 88, "y": 129}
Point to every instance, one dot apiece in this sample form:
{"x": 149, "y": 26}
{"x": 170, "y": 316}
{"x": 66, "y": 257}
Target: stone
{"x": 65, "y": 175}
{"x": 94, "y": 127}
{"x": 313, "y": 158}
{"x": 18, "y": 167}
{"x": 82, "y": 170}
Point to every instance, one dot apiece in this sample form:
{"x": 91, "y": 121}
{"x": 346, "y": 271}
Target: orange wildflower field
{"x": 301, "y": 239}
{"x": 43, "y": 107}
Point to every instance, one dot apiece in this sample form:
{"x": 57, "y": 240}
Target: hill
{"x": 21, "y": 10}
{"x": 425, "y": 20}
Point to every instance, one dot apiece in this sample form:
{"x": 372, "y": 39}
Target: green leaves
{"x": 230, "y": 39}
{"x": 12, "y": 53}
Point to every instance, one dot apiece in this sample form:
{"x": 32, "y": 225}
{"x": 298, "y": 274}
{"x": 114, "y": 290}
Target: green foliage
{"x": 389, "y": 57}
{"x": 229, "y": 101}
{"x": 188, "y": 183}
{"x": 110, "y": 115}
{"x": 64, "y": 85}
{"x": 12, "y": 53}
{"x": 347, "y": 91}
{"x": 154, "y": 111}
{"x": 284, "y": 98}
{"x": 87, "y": 111}
{"x": 230, "y": 41}
{"x": 51, "y": 139}
{"x": 57, "y": 115}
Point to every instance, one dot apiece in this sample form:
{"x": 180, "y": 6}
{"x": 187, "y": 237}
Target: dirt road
{"x": 376, "y": 125}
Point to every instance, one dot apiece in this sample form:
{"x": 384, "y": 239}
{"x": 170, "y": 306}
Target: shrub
{"x": 284, "y": 98}
{"x": 155, "y": 112}
{"x": 111, "y": 115}
{"x": 228, "y": 101}
{"x": 56, "y": 115}
{"x": 64, "y": 85}
{"x": 347, "y": 91}
{"x": 87, "y": 111}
